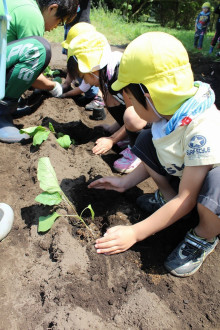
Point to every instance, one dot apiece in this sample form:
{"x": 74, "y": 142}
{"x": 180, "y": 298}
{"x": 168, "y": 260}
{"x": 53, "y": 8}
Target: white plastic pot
{"x": 6, "y": 220}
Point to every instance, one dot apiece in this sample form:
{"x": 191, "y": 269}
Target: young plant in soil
{"x": 53, "y": 195}
{"x": 40, "y": 134}
{"x": 51, "y": 73}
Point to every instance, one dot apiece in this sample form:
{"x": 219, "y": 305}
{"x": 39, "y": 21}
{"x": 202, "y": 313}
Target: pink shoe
{"x": 127, "y": 163}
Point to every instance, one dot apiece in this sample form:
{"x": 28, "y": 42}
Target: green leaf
{"x": 47, "y": 176}
{"x": 49, "y": 199}
{"x": 47, "y": 71}
{"x": 51, "y": 128}
{"x": 64, "y": 141}
{"x": 59, "y": 134}
{"x": 40, "y": 136}
{"x": 91, "y": 210}
{"x": 45, "y": 223}
{"x": 56, "y": 73}
{"x": 32, "y": 130}
{"x": 73, "y": 141}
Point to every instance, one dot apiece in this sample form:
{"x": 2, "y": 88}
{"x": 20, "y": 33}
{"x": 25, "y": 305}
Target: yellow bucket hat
{"x": 206, "y": 5}
{"x": 160, "y": 62}
{"x": 92, "y": 51}
{"x": 75, "y": 30}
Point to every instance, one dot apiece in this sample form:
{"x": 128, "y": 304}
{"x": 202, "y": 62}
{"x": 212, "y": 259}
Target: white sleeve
{"x": 84, "y": 87}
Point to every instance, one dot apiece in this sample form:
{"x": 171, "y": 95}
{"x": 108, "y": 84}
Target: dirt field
{"x": 56, "y": 280}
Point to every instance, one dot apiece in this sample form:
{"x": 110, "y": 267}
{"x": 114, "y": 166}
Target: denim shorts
{"x": 209, "y": 196}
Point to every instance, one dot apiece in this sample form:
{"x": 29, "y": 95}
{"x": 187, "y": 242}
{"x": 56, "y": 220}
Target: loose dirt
{"x": 57, "y": 280}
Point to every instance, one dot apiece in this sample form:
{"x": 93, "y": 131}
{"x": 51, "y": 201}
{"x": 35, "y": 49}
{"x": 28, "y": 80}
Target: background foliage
{"x": 168, "y": 13}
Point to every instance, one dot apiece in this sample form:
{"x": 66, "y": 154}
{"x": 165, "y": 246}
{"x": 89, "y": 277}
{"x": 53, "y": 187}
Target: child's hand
{"x": 108, "y": 183}
{"x": 116, "y": 239}
{"x": 102, "y": 145}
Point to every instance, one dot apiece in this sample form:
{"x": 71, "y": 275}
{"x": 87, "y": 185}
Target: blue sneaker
{"x": 189, "y": 255}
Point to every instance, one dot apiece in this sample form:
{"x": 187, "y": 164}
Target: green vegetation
{"x": 40, "y": 134}
{"x": 53, "y": 195}
{"x": 120, "y": 32}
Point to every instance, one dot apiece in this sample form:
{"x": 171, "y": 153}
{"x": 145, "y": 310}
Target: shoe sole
{"x": 194, "y": 270}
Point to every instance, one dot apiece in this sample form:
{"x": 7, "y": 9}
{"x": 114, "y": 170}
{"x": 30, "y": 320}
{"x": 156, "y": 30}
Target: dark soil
{"x": 57, "y": 280}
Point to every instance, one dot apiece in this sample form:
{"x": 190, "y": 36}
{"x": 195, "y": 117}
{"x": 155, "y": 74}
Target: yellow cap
{"x": 75, "y": 30}
{"x": 160, "y": 62}
{"x": 92, "y": 51}
{"x": 206, "y": 5}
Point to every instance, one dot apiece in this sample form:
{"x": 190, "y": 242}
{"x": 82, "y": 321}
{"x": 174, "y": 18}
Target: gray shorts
{"x": 209, "y": 195}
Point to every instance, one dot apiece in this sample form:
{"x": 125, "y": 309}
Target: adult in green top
{"x": 28, "y": 54}
{"x": 23, "y": 12}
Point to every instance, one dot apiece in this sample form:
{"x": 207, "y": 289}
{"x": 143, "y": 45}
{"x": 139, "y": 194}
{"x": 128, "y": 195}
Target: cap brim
{"x": 117, "y": 85}
{"x": 65, "y": 45}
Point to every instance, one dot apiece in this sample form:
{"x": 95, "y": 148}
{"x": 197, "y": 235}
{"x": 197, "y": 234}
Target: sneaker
{"x": 189, "y": 255}
{"x": 127, "y": 163}
{"x": 96, "y": 104}
{"x": 151, "y": 202}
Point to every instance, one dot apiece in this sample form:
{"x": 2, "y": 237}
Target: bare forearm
{"x": 73, "y": 92}
{"x": 135, "y": 177}
{"x": 43, "y": 83}
{"x": 163, "y": 218}
{"x": 118, "y": 135}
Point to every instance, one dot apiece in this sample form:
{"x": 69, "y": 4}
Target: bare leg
{"x": 162, "y": 183}
{"x": 132, "y": 121}
{"x": 209, "y": 223}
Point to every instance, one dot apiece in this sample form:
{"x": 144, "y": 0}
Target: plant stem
{"x": 77, "y": 215}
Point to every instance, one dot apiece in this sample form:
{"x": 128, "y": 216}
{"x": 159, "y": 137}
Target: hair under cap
{"x": 161, "y": 63}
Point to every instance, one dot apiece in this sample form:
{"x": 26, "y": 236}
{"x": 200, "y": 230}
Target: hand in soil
{"x": 108, "y": 183}
{"x": 116, "y": 239}
{"x": 103, "y": 145}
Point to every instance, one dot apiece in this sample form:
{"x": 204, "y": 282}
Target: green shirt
{"x": 26, "y": 19}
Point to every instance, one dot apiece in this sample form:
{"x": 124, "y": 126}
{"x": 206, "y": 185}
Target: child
{"x": 90, "y": 54}
{"x": 28, "y": 54}
{"x": 217, "y": 32}
{"x": 91, "y": 92}
{"x": 201, "y": 25}
{"x": 183, "y": 143}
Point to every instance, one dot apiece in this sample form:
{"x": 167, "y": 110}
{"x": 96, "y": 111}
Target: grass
{"x": 120, "y": 33}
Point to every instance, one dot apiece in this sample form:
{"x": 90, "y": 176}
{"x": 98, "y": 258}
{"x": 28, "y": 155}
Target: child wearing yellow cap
{"x": 91, "y": 93}
{"x": 180, "y": 152}
{"x": 90, "y": 54}
{"x": 201, "y": 25}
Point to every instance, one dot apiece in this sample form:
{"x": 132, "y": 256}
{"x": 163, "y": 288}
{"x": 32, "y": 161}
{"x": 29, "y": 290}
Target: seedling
{"x": 51, "y": 73}
{"x": 58, "y": 79}
{"x": 53, "y": 195}
{"x": 40, "y": 134}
